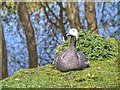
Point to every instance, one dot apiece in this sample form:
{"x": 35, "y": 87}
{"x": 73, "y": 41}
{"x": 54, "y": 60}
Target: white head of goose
{"x": 71, "y": 59}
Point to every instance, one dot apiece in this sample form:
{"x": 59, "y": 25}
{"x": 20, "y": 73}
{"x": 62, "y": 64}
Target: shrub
{"x": 93, "y": 46}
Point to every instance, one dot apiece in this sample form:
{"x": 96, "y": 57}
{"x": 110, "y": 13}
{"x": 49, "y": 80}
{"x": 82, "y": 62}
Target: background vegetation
{"x": 31, "y": 33}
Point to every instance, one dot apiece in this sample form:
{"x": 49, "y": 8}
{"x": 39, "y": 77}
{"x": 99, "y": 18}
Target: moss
{"x": 101, "y": 74}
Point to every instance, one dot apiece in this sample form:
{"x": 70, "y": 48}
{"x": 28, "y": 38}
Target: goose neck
{"x": 72, "y": 42}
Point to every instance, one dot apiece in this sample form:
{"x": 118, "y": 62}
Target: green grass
{"x": 100, "y": 74}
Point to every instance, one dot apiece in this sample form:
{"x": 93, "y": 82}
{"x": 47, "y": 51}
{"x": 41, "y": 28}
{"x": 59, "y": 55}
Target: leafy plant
{"x": 93, "y": 46}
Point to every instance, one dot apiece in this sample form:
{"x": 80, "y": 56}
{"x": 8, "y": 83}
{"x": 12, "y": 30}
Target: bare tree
{"x": 3, "y": 53}
{"x": 4, "y": 57}
{"x": 73, "y": 15}
{"x": 58, "y": 20}
{"x": 29, "y": 32}
{"x": 110, "y": 21}
{"x": 90, "y": 16}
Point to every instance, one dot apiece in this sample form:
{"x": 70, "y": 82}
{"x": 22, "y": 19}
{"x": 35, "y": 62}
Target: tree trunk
{"x": 29, "y": 32}
{"x": 0, "y": 45}
{"x": 4, "y": 57}
{"x": 3, "y": 54}
{"x": 90, "y": 16}
{"x": 73, "y": 15}
{"x": 62, "y": 28}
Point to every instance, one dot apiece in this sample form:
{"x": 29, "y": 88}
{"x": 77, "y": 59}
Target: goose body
{"x": 71, "y": 59}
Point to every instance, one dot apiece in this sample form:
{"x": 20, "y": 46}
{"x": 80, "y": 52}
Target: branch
{"x": 61, "y": 11}
{"x": 65, "y": 22}
{"x": 64, "y": 9}
{"x": 49, "y": 19}
{"x": 61, "y": 14}
{"x": 52, "y": 12}
{"x": 103, "y": 10}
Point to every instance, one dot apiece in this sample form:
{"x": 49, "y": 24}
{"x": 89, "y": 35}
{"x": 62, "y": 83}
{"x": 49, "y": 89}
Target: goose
{"x": 71, "y": 59}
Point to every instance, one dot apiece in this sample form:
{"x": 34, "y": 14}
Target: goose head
{"x": 73, "y": 32}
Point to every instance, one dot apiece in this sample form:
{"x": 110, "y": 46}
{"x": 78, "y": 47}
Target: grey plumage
{"x": 71, "y": 59}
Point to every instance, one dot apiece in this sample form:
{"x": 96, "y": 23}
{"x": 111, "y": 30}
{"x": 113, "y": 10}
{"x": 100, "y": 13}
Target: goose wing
{"x": 82, "y": 60}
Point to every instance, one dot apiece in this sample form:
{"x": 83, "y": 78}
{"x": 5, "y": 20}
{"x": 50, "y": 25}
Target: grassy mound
{"x": 100, "y": 74}
{"x": 95, "y": 47}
